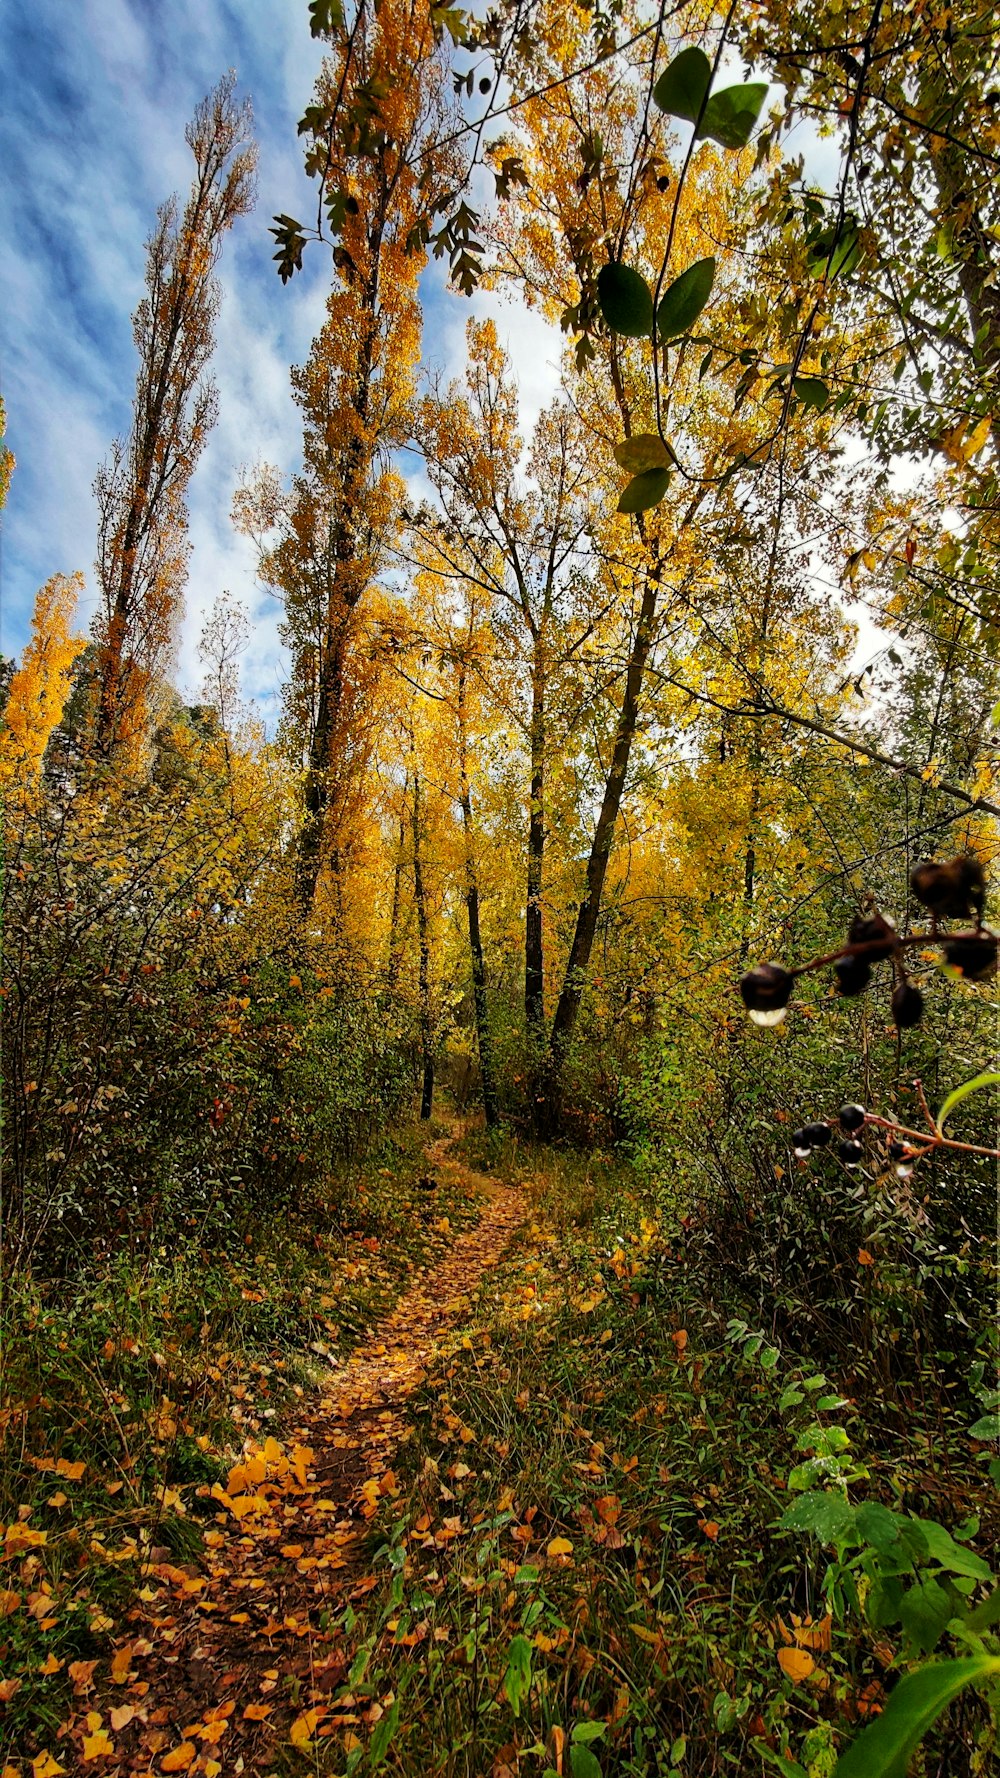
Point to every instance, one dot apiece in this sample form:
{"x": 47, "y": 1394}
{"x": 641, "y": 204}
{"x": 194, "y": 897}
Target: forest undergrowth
{"x": 550, "y": 1541}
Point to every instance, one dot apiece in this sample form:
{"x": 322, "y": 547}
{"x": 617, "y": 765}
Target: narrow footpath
{"x": 230, "y": 1658}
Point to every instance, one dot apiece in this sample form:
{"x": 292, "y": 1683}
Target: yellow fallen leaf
{"x": 50, "y": 1665}
{"x": 71, "y": 1471}
{"x": 9, "y": 1689}
{"x": 795, "y": 1663}
{"x": 97, "y": 1745}
{"x": 864, "y": 1257}
{"x": 815, "y": 1636}
{"x": 9, "y": 1602}
{"x": 179, "y": 1759}
{"x": 11, "y": 1772}
{"x": 121, "y": 1716}
{"x": 560, "y": 1546}
{"x": 44, "y": 1766}
{"x": 121, "y": 1665}
{"x": 257, "y": 1712}
{"x": 305, "y": 1726}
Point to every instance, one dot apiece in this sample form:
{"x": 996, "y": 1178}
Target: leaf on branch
{"x": 681, "y": 88}
{"x": 884, "y": 1749}
{"x": 644, "y": 491}
{"x": 683, "y": 300}
{"x": 644, "y": 450}
{"x": 326, "y": 17}
{"x": 729, "y": 116}
{"x": 626, "y": 300}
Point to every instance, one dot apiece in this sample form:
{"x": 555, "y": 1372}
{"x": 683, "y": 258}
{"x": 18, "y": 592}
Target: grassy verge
{"x": 128, "y": 1386}
{"x": 584, "y": 1575}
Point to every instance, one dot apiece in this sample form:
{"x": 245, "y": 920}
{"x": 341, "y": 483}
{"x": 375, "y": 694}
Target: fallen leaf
{"x": 9, "y": 1689}
{"x": 9, "y": 1602}
{"x": 305, "y": 1726}
{"x": 82, "y": 1675}
{"x": 121, "y": 1716}
{"x": 97, "y": 1745}
{"x": 710, "y": 1527}
{"x": 864, "y": 1257}
{"x": 121, "y": 1665}
{"x": 795, "y": 1663}
{"x": 44, "y": 1766}
{"x": 257, "y": 1712}
{"x": 560, "y": 1546}
{"x": 179, "y": 1758}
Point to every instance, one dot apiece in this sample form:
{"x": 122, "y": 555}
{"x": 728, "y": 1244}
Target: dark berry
{"x": 663, "y": 182}
{"x": 907, "y": 1006}
{"x": 818, "y": 1135}
{"x": 952, "y": 891}
{"x": 851, "y": 1117}
{"x": 853, "y": 974}
{"x": 801, "y": 1142}
{"x": 973, "y": 954}
{"x": 897, "y": 1150}
{"x": 484, "y": 85}
{"x": 766, "y": 991}
{"x": 851, "y": 1153}
{"x": 875, "y": 931}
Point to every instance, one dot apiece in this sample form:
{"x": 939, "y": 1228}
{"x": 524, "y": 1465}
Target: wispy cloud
{"x": 92, "y": 139}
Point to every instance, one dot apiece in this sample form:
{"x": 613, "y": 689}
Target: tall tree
{"x": 323, "y": 546}
{"x": 141, "y": 489}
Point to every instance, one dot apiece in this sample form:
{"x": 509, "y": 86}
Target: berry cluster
{"x": 851, "y": 1120}
{"x": 955, "y": 890}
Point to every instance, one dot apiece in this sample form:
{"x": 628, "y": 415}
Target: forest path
{"x": 232, "y": 1658}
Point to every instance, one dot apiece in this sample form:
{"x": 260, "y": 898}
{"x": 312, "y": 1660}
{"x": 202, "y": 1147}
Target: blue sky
{"x": 97, "y": 96}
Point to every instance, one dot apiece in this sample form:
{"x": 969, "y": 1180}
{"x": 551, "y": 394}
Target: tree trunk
{"x": 534, "y": 973}
{"x": 426, "y": 1021}
{"x": 479, "y": 993}
{"x": 395, "y": 957}
{"x": 597, "y": 864}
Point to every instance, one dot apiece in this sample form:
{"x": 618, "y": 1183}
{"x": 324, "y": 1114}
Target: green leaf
{"x": 789, "y": 1768}
{"x": 985, "y": 1615}
{"x": 836, "y": 250}
{"x": 588, "y": 1731}
{"x": 987, "y": 1428}
{"x": 877, "y": 1525}
{"x": 812, "y": 392}
{"x": 681, "y": 88}
{"x": 769, "y": 1358}
{"x": 924, "y": 1610}
{"x": 378, "y": 1746}
{"x": 644, "y": 450}
{"x": 995, "y": 716}
{"x": 729, "y": 116}
{"x": 884, "y": 1749}
{"x": 987, "y": 1079}
{"x": 644, "y": 491}
{"x": 683, "y": 300}
{"x": 825, "y": 1513}
{"x": 582, "y": 1762}
{"x": 942, "y": 1548}
{"x": 325, "y": 17}
{"x": 626, "y": 300}
{"x": 517, "y": 1679}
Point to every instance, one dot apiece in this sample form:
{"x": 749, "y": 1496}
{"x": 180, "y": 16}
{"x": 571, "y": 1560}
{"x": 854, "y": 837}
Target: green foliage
{"x": 683, "y": 300}
{"x": 626, "y": 300}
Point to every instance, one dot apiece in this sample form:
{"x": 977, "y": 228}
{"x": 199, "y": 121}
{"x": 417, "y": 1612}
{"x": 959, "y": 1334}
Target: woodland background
{"x": 576, "y": 732}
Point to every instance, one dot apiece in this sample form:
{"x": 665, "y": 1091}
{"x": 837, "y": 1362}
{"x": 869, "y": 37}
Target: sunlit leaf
{"x": 644, "y": 491}
{"x": 682, "y": 302}
{"x": 681, "y": 88}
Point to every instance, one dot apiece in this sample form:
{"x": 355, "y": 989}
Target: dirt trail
{"x": 289, "y": 1545}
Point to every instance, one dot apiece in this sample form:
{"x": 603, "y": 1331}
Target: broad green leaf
{"x": 582, "y": 1762}
{"x": 987, "y": 1428}
{"x": 827, "y": 1514}
{"x": 517, "y": 1679}
{"x": 884, "y": 1749}
{"x": 836, "y": 251}
{"x": 626, "y": 300}
{"x": 683, "y": 300}
{"x": 877, "y": 1525}
{"x": 924, "y": 1610}
{"x": 729, "y": 116}
{"x": 987, "y": 1079}
{"x": 589, "y": 1731}
{"x": 812, "y": 392}
{"x": 995, "y": 716}
{"x": 325, "y": 16}
{"x": 644, "y": 450}
{"x": 985, "y": 1615}
{"x": 942, "y": 1548}
{"x": 681, "y": 88}
{"x": 644, "y": 491}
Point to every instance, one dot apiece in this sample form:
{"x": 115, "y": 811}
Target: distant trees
{"x": 141, "y": 488}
